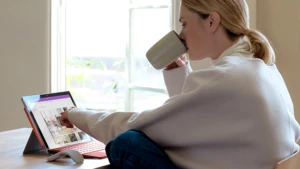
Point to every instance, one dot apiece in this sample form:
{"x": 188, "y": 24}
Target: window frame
{"x": 58, "y": 52}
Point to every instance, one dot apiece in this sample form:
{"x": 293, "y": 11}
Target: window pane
{"x": 148, "y": 26}
{"x": 96, "y": 28}
{"x": 95, "y": 47}
{"x": 102, "y": 39}
{"x": 145, "y": 100}
{"x": 97, "y": 82}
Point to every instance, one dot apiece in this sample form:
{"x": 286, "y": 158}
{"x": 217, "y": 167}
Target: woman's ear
{"x": 214, "y": 20}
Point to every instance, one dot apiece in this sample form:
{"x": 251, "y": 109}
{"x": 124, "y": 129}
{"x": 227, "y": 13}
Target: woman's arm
{"x": 102, "y": 126}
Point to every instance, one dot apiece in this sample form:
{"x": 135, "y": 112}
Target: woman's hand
{"x": 181, "y": 61}
{"x": 64, "y": 121}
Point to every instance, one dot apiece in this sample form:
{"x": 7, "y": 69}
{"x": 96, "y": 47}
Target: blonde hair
{"x": 236, "y": 20}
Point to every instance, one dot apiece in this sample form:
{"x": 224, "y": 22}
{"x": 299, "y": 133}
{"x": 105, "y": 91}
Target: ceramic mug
{"x": 166, "y": 50}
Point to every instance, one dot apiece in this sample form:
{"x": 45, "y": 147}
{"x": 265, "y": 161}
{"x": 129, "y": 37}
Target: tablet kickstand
{"x": 32, "y": 144}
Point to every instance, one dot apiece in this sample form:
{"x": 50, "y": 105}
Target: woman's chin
{"x": 195, "y": 58}
{"x": 190, "y": 56}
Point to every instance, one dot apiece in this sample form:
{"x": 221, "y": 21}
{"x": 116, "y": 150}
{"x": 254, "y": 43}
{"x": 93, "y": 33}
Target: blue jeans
{"x": 135, "y": 150}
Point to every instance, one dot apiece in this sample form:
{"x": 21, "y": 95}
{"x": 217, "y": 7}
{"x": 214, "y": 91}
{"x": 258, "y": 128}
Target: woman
{"x": 238, "y": 114}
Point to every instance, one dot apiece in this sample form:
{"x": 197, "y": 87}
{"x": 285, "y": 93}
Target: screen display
{"x": 46, "y": 112}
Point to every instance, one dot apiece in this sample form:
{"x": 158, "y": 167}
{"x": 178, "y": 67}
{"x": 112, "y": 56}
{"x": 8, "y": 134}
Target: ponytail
{"x": 261, "y": 46}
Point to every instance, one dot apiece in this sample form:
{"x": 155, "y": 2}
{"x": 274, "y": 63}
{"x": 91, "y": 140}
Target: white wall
{"x": 24, "y": 52}
{"x": 280, "y": 21}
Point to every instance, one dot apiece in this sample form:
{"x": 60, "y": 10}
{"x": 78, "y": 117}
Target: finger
{"x": 69, "y": 125}
{"x": 62, "y": 121}
{"x": 66, "y": 123}
{"x": 173, "y": 65}
{"x": 180, "y": 62}
{"x": 183, "y": 57}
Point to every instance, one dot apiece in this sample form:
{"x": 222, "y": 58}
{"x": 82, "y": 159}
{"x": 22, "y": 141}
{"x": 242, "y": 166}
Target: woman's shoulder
{"x": 236, "y": 60}
{"x": 240, "y": 65}
{"x": 230, "y": 71}
{"x": 230, "y": 65}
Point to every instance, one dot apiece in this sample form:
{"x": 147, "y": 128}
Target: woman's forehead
{"x": 185, "y": 13}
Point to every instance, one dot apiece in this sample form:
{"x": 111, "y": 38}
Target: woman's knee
{"x": 127, "y": 139}
{"x": 135, "y": 147}
{"x": 124, "y": 143}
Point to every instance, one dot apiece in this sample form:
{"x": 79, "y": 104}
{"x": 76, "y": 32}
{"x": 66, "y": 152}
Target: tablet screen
{"x": 45, "y": 110}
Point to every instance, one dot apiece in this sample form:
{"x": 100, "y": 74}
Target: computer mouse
{"x": 73, "y": 154}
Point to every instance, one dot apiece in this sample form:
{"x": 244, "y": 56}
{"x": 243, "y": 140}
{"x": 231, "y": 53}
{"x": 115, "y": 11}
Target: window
{"x": 99, "y": 47}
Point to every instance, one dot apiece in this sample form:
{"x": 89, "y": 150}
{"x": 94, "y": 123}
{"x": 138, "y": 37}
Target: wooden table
{"x": 12, "y": 144}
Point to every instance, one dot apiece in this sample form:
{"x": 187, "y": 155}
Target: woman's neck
{"x": 222, "y": 45}
{"x": 221, "y": 42}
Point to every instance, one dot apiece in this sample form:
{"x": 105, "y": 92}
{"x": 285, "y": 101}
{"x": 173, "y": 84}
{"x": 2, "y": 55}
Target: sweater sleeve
{"x": 101, "y": 126}
{"x": 175, "y": 78}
